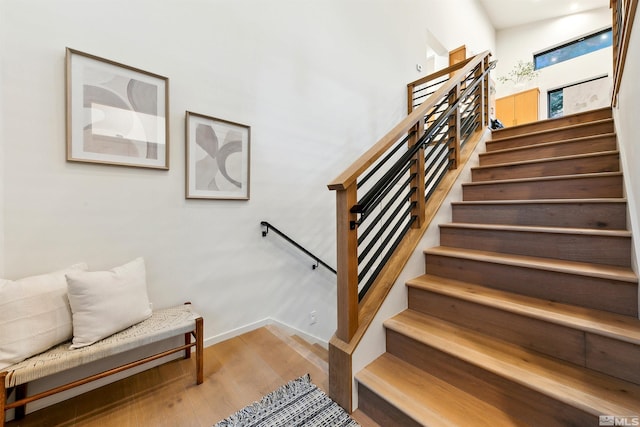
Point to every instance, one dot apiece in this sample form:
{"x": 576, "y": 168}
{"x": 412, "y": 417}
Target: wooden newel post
{"x": 454, "y": 128}
{"x": 485, "y": 85}
{"x": 410, "y": 88}
{"x": 347, "y": 259}
{"x": 3, "y": 396}
{"x": 418, "y": 172}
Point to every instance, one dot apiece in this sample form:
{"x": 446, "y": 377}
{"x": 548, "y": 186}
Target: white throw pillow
{"x": 34, "y": 315}
{"x": 106, "y": 302}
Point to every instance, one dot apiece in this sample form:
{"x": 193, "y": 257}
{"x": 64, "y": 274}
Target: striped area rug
{"x": 297, "y": 403}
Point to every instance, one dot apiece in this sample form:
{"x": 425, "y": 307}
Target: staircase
{"x": 528, "y": 311}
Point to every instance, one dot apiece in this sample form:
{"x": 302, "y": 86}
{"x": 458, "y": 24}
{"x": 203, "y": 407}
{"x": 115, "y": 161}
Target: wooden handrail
{"x": 622, "y": 26}
{"x": 350, "y": 175}
{"x": 443, "y": 72}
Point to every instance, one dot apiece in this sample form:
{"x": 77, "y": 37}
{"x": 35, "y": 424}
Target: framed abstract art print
{"x": 217, "y": 158}
{"x": 116, "y": 114}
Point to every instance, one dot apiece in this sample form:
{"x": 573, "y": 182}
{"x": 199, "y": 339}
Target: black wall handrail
{"x": 294, "y": 243}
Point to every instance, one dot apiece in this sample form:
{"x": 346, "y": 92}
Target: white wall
{"x": 318, "y": 82}
{"x": 3, "y": 179}
{"x": 459, "y": 22}
{"x": 628, "y": 129}
{"x": 520, "y": 43}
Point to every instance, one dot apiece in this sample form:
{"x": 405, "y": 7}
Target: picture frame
{"x": 217, "y": 158}
{"x": 115, "y": 114}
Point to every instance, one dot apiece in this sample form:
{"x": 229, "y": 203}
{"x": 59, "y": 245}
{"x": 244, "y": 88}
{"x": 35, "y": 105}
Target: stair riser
{"x": 609, "y": 356}
{"x": 381, "y": 411}
{"x": 564, "y": 148}
{"x": 542, "y": 125}
{"x": 591, "y": 248}
{"x": 576, "y": 166}
{"x": 590, "y": 129}
{"x": 617, "y": 358}
{"x": 591, "y": 292}
{"x": 554, "y": 340}
{"x": 589, "y": 187}
{"x": 604, "y": 216}
{"x": 519, "y": 401}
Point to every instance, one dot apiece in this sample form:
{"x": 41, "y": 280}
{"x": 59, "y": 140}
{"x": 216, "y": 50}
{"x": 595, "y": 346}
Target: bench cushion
{"x": 162, "y": 324}
{"x": 106, "y": 302}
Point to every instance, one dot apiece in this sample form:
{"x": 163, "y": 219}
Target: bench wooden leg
{"x": 187, "y": 341}
{"x": 21, "y": 393}
{"x": 199, "y": 350}
{"x": 3, "y": 396}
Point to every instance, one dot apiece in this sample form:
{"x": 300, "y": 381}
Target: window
{"x": 588, "y": 94}
{"x": 573, "y": 49}
{"x": 555, "y": 103}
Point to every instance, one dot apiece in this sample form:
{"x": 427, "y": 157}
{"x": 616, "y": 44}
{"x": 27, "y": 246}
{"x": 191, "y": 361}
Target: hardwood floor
{"x": 237, "y": 372}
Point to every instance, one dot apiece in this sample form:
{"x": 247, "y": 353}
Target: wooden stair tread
{"x": 543, "y": 178}
{"x": 581, "y": 388}
{"x": 316, "y": 348}
{"x": 539, "y": 201}
{"x": 616, "y": 326}
{"x": 576, "y": 118}
{"x": 301, "y": 346}
{"x": 554, "y": 147}
{"x": 537, "y": 229}
{"x": 552, "y": 130}
{"x": 322, "y": 352}
{"x": 427, "y": 399}
{"x": 570, "y": 267}
{"x": 546, "y": 159}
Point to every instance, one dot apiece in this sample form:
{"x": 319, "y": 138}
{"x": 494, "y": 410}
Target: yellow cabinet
{"x": 519, "y": 108}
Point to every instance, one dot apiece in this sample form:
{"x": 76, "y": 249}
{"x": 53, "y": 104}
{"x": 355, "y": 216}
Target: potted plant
{"x": 521, "y": 73}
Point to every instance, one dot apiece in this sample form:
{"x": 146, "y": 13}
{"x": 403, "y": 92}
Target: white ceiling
{"x": 511, "y": 13}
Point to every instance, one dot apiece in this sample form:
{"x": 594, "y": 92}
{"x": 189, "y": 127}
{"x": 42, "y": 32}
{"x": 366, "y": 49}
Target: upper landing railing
{"x": 383, "y": 195}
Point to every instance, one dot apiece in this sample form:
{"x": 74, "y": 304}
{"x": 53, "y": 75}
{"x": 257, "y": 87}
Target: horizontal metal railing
{"x": 384, "y": 193}
{"x": 391, "y": 195}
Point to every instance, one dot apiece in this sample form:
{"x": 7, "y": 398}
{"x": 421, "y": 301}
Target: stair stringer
{"x": 373, "y": 343}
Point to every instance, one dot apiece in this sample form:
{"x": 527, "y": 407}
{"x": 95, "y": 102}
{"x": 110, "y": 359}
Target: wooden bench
{"x": 162, "y": 324}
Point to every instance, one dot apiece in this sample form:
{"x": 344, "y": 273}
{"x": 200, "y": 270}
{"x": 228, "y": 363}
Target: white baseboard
{"x": 235, "y": 332}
